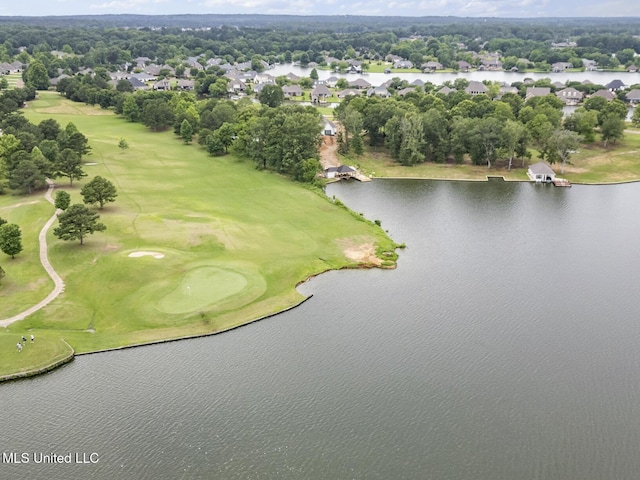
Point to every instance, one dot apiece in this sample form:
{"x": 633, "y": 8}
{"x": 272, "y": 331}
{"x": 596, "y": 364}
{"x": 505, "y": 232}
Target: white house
{"x": 541, "y": 173}
{"x": 329, "y": 128}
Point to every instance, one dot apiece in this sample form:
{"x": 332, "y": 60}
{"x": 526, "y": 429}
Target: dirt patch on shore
{"x": 362, "y": 253}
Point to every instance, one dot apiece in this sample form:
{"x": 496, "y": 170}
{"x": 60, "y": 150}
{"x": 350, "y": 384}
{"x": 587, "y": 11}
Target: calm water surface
{"x": 506, "y": 345}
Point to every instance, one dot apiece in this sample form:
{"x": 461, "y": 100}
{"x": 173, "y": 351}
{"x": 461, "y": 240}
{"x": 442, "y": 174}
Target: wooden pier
{"x": 561, "y": 182}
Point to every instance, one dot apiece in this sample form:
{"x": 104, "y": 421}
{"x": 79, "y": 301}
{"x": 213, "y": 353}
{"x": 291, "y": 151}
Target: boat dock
{"x": 561, "y": 182}
{"x": 361, "y": 176}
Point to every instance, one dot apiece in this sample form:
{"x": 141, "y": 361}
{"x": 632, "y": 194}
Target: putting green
{"x": 202, "y": 287}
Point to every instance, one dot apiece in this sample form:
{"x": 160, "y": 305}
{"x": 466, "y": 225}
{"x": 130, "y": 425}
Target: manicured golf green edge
{"x": 255, "y": 235}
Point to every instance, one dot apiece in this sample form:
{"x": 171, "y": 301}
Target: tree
{"x": 10, "y": 239}
{"x": 513, "y": 132}
{"x": 611, "y": 129}
{"x": 98, "y": 190}
{"x": 77, "y": 222}
{"x": 186, "y": 131}
{"x": 69, "y": 165}
{"x": 225, "y": 135}
{"x": 26, "y": 177}
{"x": 2, "y": 274}
{"x": 62, "y": 200}
{"x": 157, "y": 115}
{"x": 130, "y": 109}
{"x": 271, "y": 95}
{"x": 314, "y": 75}
{"x": 123, "y": 144}
{"x": 564, "y": 143}
{"x": 635, "y": 118}
{"x": 36, "y": 75}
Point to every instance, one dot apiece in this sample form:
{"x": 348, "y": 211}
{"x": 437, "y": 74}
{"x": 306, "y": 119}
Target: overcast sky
{"x": 461, "y": 8}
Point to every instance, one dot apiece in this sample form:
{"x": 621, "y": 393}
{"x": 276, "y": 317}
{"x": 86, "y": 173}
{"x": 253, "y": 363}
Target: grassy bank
{"x": 591, "y": 164}
{"x": 235, "y": 240}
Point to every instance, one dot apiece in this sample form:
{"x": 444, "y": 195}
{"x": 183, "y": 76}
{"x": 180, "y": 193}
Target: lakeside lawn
{"x": 47, "y": 349}
{"x": 591, "y": 164}
{"x": 235, "y": 240}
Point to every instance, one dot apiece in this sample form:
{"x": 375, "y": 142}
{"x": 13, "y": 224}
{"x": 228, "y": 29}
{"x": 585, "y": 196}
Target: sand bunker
{"x": 144, "y": 254}
{"x": 90, "y": 163}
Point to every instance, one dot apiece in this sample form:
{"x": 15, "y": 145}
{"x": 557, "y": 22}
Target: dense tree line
{"x": 31, "y": 153}
{"x": 107, "y": 45}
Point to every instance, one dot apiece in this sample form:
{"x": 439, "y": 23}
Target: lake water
{"x": 505, "y": 346}
{"x": 375, "y": 79}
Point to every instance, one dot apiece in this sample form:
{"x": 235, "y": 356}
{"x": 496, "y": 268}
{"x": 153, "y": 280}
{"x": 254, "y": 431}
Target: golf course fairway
{"x": 194, "y": 244}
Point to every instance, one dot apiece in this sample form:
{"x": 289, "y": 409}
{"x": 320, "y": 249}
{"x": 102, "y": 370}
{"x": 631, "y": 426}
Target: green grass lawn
{"x": 376, "y": 162}
{"x": 47, "y": 349}
{"x": 235, "y": 240}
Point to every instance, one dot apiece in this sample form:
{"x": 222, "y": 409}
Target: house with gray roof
{"x": 349, "y": 91}
{"x": 633, "y": 96}
{"x": 541, "y": 173}
{"x": 464, "y": 66}
{"x": 615, "y": 85}
{"x": 569, "y": 96}
{"x": 559, "y": 67}
{"x": 292, "y": 91}
{"x": 446, "y": 90}
{"x": 537, "y": 92}
{"x": 381, "y": 92}
{"x": 476, "y": 88}
{"x": 320, "y": 94}
{"x": 359, "y": 83}
{"x": 606, "y": 94}
{"x": 330, "y": 82}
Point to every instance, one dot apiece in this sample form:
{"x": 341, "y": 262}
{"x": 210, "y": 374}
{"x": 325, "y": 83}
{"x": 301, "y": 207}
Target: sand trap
{"x": 144, "y": 254}
{"x": 90, "y": 163}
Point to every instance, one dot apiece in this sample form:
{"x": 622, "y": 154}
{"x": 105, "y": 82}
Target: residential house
{"x": 330, "y": 82}
{"x": 237, "y": 86}
{"x": 632, "y": 69}
{"x": 162, "y": 85}
{"x": 589, "y": 65}
{"x": 292, "y": 91}
{"x": 292, "y": 77}
{"x": 359, "y": 83}
{"x": 570, "y": 96}
{"x": 492, "y": 63}
{"x": 137, "y": 84}
{"x": 378, "y": 92}
{"x": 264, "y": 78}
{"x": 633, "y": 96}
{"x": 5, "y": 68}
{"x": 615, "y": 85}
{"x": 417, "y": 83}
{"x": 404, "y": 91}
{"x": 536, "y": 92}
{"x": 432, "y": 66}
{"x": 349, "y": 91}
{"x": 54, "y": 81}
{"x": 320, "y": 94}
{"x": 141, "y": 62}
{"x": 446, "y": 90}
{"x": 185, "y": 84}
{"x": 329, "y": 127}
{"x": 606, "y": 94}
{"x": 476, "y": 88}
{"x": 559, "y": 67}
{"x": 541, "y": 173}
{"x": 558, "y": 85}
{"x": 403, "y": 64}
{"x": 144, "y": 77}
{"x": 464, "y": 66}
